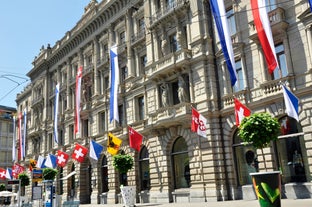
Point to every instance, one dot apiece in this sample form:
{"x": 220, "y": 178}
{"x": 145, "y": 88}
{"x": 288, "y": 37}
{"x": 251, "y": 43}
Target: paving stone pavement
{"x": 240, "y": 203}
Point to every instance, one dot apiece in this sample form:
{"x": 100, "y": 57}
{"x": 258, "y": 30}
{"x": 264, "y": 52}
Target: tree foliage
{"x": 259, "y": 129}
{"x": 123, "y": 162}
{"x": 2, "y": 187}
{"x": 49, "y": 173}
{"x": 25, "y": 180}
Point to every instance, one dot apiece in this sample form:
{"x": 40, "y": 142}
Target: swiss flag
{"x": 198, "y": 123}
{"x": 241, "y": 111}
{"x": 2, "y": 174}
{"x": 62, "y": 158}
{"x": 135, "y": 139}
{"x": 79, "y": 153}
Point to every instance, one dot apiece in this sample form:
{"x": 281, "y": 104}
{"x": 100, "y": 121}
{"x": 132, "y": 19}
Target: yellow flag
{"x": 113, "y": 144}
{"x": 32, "y": 164}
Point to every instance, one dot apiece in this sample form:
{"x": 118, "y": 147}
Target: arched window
{"x": 291, "y": 151}
{"x": 245, "y": 160}
{"x": 181, "y": 165}
{"x": 104, "y": 175}
{"x": 144, "y": 169}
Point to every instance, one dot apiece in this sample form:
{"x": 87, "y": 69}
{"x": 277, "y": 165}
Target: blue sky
{"x": 24, "y": 27}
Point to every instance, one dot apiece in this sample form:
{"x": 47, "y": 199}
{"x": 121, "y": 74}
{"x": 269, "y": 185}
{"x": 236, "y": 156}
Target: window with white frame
{"x": 140, "y": 108}
{"x": 240, "y": 77}
{"x": 282, "y": 70}
{"x": 231, "y": 21}
{"x": 174, "y": 44}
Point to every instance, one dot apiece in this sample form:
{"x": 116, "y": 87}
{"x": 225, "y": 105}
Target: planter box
{"x": 128, "y": 195}
{"x": 267, "y": 186}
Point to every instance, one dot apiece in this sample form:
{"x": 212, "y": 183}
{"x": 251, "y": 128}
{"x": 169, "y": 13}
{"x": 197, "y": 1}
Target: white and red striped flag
{"x": 241, "y": 111}
{"x": 20, "y": 146}
{"x": 263, "y": 27}
{"x": 78, "y": 98}
{"x": 198, "y": 123}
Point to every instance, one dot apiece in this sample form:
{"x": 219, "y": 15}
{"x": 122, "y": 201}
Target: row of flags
{"x": 199, "y": 122}
{"x": 291, "y": 104}
{"x": 79, "y": 153}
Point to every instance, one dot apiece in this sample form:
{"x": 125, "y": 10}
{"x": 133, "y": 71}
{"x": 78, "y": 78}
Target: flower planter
{"x": 267, "y": 186}
{"x": 128, "y": 195}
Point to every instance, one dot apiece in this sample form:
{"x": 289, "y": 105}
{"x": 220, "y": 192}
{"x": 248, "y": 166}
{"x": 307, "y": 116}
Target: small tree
{"x": 259, "y": 129}
{"x": 49, "y": 173}
{"x": 2, "y": 187}
{"x": 123, "y": 163}
{"x": 24, "y": 178}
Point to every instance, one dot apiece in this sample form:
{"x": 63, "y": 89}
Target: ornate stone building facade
{"x": 170, "y": 61}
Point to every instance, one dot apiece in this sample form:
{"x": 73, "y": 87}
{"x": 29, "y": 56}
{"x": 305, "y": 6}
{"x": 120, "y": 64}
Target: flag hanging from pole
{"x": 95, "y": 150}
{"x": 80, "y": 152}
{"x": 292, "y": 104}
{"x": 40, "y": 162}
{"x": 2, "y": 174}
{"x": 310, "y": 2}
{"x": 135, "y": 139}
{"x": 56, "y": 103}
{"x": 198, "y": 123}
{"x": 17, "y": 169}
{"x": 14, "y": 140}
{"x": 241, "y": 111}
{"x": 114, "y": 81}
{"x": 219, "y": 15}
{"x": 50, "y": 161}
{"x": 263, "y": 28}
{"x": 113, "y": 144}
{"x": 78, "y": 97}
{"x": 62, "y": 158}
{"x": 9, "y": 174}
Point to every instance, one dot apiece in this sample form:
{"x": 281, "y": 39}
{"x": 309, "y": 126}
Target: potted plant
{"x": 259, "y": 130}
{"x": 123, "y": 163}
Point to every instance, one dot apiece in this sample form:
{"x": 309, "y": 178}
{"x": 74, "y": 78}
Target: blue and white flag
{"x": 41, "y": 162}
{"x": 9, "y": 174}
{"x": 51, "y": 161}
{"x": 56, "y": 103}
{"x": 292, "y": 104}
{"x": 24, "y": 134}
{"x": 310, "y": 2}
{"x": 218, "y": 11}
{"x": 114, "y": 80}
{"x": 95, "y": 150}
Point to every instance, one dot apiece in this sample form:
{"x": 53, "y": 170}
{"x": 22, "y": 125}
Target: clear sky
{"x": 24, "y": 27}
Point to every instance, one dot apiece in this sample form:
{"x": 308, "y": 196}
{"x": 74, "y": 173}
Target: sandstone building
{"x": 165, "y": 46}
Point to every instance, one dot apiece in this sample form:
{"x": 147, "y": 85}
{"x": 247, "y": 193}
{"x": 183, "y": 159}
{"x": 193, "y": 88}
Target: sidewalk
{"x": 239, "y": 203}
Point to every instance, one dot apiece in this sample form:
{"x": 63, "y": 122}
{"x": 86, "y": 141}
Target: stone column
{"x": 95, "y": 62}
{"x": 309, "y": 37}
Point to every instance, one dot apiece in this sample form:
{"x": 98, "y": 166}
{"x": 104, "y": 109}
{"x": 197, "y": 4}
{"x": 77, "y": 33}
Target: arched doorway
{"x": 180, "y": 164}
{"x": 144, "y": 173}
{"x": 291, "y": 151}
{"x": 85, "y": 187}
{"x": 245, "y": 158}
{"x": 72, "y": 185}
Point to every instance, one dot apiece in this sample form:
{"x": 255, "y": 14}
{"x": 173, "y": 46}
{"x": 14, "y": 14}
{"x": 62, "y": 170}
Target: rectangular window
{"x": 231, "y": 21}
{"x": 122, "y": 37}
{"x": 102, "y": 123}
{"x": 141, "y": 26}
{"x": 140, "y": 104}
{"x": 121, "y": 115}
{"x": 282, "y": 71}
{"x": 124, "y": 73}
{"x": 240, "y": 77}
{"x": 174, "y": 44}
{"x": 85, "y": 128}
{"x": 71, "y": 133}
{"x": 270, "y": 5}
{"x": 143, "y": 61}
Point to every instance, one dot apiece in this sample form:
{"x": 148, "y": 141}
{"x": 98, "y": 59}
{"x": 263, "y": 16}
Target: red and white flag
{"x": 135, "y": 139}
{"x": 241, "y": 111}
{"x": 80, "y": 152}
{"x": 2, "y": 174}
{"x": 198, "y": 123}
{"x": 62, "y": 158}
{"x": 263, "y": 28}
{"x": 17, "y": 169}
{"x": 78, "y": 97}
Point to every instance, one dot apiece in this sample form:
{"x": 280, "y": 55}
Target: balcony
{"x": 277, "y": 22}
{"x": 165, "y": 65}
{"x": 179, "y": 114}
{"x": 170, "y": 9}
